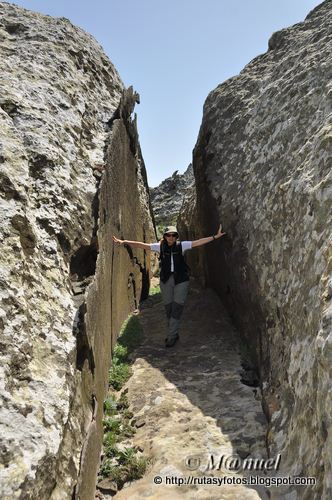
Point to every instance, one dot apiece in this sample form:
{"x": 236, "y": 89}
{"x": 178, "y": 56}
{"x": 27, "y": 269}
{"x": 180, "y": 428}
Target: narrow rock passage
{"x": 188, "y": 401}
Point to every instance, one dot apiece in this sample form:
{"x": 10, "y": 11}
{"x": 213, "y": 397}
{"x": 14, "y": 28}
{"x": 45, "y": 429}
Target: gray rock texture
{"x": 190, "y": 402}
{"x": 262, "y": 166}
{"x": 167, "y": 198}
{"x": 69, "y": 156}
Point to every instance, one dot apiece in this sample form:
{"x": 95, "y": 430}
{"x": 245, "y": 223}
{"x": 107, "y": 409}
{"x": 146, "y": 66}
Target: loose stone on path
{"x": 191, "y": 404}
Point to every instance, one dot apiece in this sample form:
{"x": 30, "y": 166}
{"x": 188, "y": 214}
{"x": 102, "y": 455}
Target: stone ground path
{"x": 191, "y": 403}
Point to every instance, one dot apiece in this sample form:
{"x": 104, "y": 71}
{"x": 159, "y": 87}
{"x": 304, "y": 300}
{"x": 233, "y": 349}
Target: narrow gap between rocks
{"x": 187, "y": 404}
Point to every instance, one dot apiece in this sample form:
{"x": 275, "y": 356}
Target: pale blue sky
{"x": 174, "y": 52}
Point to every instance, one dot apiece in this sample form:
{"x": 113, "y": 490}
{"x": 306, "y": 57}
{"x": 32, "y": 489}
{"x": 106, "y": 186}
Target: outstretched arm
{"x": 135, "y": 244}
{"x": 203, "y": 241}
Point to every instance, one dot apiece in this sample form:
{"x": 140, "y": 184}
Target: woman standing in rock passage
{"x": 174, "y": 277}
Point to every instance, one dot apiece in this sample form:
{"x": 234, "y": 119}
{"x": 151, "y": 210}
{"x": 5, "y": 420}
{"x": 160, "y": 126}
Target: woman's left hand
{"x": 219, "y": 234}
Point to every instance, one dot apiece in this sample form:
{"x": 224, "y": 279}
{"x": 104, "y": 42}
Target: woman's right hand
{"x": 116, "y": 240}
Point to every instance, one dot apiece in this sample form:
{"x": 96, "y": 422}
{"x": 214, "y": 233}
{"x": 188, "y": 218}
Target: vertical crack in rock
{"x": 132, "y": 290}
{"x": 144, "y": 274}
{"x": 82, "y": 271}
{"x": 83, "y": 348}
{"x": 105, "y": 298}
{"x": 83, "y": 262}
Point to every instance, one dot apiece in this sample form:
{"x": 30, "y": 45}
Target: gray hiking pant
{"x": 174, "y": 297}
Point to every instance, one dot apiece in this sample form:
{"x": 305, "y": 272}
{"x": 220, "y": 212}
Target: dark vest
{"x": 181, "y": 269}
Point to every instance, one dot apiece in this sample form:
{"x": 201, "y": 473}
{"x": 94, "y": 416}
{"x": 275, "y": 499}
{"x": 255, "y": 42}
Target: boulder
{"x": 262, "y": 166}
{"x": 71, "y": 175}
{"x": 167, "y": 198}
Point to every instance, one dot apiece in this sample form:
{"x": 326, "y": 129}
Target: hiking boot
{"x": 171, "y": 342}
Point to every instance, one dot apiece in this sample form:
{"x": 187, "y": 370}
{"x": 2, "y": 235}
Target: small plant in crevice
{"x": 129, "y": 338}
{"x": 154, "y": 290}
{"x": 154, "y": 294}
{"x": 110, "y": 405}
{"x": 111, "y": 424}
{"x": 130, "y": 469}
{"x": 118, "y": 375}
{"x": 121, "y": 462}
{"x": 109, "y": 442}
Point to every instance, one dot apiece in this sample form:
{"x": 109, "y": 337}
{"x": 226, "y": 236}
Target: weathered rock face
{"x": 262, "y": 166}
{"x": 167, "y": 198}
{"x": 69, "y": 156}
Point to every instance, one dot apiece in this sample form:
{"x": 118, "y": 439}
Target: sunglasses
{"x": 172, "y": 235}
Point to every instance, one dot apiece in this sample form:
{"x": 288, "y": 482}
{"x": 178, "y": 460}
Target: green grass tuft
{"x": 126, "y": 455}
{"x": 131, "y": 334}
{"x": 121, "y": 465}
{"x": 110, "y": 405}
{"x": 109, "y": 439}
{"x": 120, "y": 353}
{"x": 154, "y": 290}
{"x": 129, "y": 468}
{"x": 118, "y": 375}
{"x": 111, "y": 424}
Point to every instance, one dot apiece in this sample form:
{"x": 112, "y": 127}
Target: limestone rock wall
{"x": 71, "y": 175}
{"x": 262, "y": 166}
